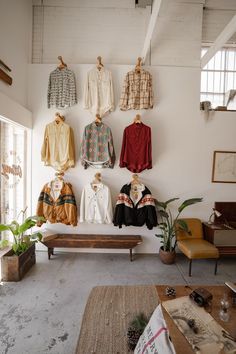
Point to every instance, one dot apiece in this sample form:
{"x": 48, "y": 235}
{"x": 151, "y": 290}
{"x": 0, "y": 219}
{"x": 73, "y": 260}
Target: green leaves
{"x": 23, "y": 242}
{"x": 188, "y": 202}
{"x": 168, "y": 225}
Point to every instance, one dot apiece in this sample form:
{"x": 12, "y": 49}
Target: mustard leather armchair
{"x": 194, "y": 246}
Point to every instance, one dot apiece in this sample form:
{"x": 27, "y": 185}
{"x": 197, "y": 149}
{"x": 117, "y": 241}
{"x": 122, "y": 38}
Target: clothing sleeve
{"x": 150, "y": 150}
{"x": 49, "y": 91}
{"x": 112, "y": 103}
{"x": 111, "y": 149}
{"x": 40, "y": 208}
{"x": 150, "y": 92}
{"x": 82, "y": 207}
{"x": 83, "y": 150}
{"x": 123, "y": 149}
{"x": 72, "y": 147}
{"x": 119, "y": 214}
{"x": 86, "y": 93}
{"x": 124, "y": 94}
{"x": 71, "y": 208}
{"x": 151, "y": 216}
{"x": 73, "y": 91}
{"x": 45, "y": 147}
{"x": 109, "y": 213}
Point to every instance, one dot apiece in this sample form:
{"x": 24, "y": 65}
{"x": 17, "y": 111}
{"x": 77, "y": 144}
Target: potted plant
{"x": 169, "y": 225}
{"x": 20, "y": 258}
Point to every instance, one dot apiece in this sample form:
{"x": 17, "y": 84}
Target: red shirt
{"x": 136, "y": 152}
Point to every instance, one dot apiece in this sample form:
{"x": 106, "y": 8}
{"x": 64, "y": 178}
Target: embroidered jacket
{"x": 63, "y": 209}
{"x": 136, "y": 152}
{"x": 135, "y": 207}
{"x": 62, "y": 88}
{"x": 137, "y": 91}
{"x": 96, "y": 205}
{"x": 58, "y": 149}
{"x": 97, "y": 148}
{"x": 98, "y": 93}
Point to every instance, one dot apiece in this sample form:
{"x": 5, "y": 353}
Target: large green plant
{"x": 21, "y": 241}
{"x": 169, "y": 224}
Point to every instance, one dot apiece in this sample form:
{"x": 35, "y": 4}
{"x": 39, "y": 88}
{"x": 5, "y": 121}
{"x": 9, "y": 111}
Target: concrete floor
{"x": 43, "y": 312}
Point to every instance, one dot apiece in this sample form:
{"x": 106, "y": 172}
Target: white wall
{"x": 183, "y": 144}
{"x": 15, "y": 42}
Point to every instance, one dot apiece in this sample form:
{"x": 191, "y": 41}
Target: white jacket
{"x": 98, "y": 94}
{"x": 96, "y": 205}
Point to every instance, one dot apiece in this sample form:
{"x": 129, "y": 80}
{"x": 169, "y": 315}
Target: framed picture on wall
{"x": 224, "y": 167}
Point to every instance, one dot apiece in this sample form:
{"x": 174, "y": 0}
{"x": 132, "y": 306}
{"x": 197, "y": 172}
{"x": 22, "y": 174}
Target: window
{"x": 14, "y": 194}
{"x": 219, "y": 77}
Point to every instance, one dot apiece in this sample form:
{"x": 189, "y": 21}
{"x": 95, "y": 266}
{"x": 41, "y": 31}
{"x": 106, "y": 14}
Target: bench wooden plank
{"x": 92, "y": 241}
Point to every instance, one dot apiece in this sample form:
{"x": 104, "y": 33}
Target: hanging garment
{"x": 97, "y": 148}
{"x": 58, "y": 149}
{"x": 62, "y": 88}
{"x": 136, "y": 151}
{"x": 137, "y": 91}
{"x": 96, "y": 205}
{"x": 57, "y": 206}
{"x": 135, "y": 206}
{"x": 99, "y": 96}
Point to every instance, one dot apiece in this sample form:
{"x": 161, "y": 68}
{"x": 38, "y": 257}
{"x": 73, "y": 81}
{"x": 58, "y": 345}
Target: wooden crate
{"x": 15, "y": 267}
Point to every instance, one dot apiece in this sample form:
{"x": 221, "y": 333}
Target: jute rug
{"x": 107, "y": 315}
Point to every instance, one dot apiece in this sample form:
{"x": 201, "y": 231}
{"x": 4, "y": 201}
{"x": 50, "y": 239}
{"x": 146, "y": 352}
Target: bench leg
{"x": 130, "y": 255}
{"x": 50, "y": 252}
{"x": 190, "y": 268}
{"x": 216, "y": 264}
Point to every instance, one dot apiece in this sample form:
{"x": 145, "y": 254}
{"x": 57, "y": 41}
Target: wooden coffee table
{"x": 180, "y": 342}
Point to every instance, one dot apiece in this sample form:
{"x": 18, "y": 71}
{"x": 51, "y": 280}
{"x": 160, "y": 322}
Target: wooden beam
{"x": 223, "y": 37}
{"x": 155, "y": 11}
{"x": 4, "y": 77}
{"x": 4, "y": 65}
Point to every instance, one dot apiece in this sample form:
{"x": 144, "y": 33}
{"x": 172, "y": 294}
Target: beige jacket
{"x": 58, "y": 149}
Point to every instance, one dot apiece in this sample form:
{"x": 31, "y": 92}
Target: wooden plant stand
{"x": 92, "y": 241}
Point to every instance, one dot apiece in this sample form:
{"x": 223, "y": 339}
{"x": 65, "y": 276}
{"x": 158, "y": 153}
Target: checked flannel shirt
{"x": 137, "y": 91}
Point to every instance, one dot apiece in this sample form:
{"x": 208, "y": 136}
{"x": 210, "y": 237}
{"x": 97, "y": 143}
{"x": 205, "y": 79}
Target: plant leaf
{"x": 188, "y": 202}
{"x": 4, "y": 227}
{"x": 163, "y": 214}
{"x": 182, "y": 225}
{"x": 159, "y": 235}
{"x": 170, "y": 201}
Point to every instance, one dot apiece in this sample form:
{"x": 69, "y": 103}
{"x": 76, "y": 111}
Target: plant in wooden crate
{"x": 169, "y": 225}
{"x": 17, "y": 261}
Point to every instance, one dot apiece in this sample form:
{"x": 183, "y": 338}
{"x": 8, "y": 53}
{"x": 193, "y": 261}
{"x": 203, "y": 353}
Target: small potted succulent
{"x": 169, "y": 225}
{"x": 19, "y": 259}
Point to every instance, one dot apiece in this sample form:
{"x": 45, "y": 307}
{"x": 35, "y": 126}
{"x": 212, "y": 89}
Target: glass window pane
{"x": 13, "y": 140}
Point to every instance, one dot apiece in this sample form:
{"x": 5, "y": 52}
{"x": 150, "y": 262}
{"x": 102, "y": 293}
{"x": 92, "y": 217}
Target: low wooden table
{"x": 92, "y": 241}
{"x": 180, "y": 342}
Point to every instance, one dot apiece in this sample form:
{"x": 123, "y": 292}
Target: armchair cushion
{"x": 198, "y": 248}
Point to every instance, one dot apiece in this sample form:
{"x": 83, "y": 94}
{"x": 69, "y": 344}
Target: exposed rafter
{"x": 223, "y": 37}
{"x": 155, "y": 11}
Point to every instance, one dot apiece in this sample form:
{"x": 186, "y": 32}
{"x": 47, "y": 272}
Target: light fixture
{"x": 215, "y": 213}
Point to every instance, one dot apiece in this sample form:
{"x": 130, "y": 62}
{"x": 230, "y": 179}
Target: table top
{"x": 180, "y": 342}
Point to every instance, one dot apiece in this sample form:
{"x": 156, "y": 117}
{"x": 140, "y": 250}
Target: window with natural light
{"x": 13, "y": 181}
{"x": 218, "y": 79}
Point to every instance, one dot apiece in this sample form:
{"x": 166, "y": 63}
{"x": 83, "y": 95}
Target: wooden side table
{"x": 222, "y": 237}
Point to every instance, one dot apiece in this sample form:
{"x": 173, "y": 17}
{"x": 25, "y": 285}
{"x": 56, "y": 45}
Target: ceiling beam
{"x": 155, "y": 11}
{"x": 223, "y": 37}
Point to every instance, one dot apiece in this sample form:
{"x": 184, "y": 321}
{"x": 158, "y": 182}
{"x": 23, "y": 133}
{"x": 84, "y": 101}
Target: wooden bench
{"x": 92, "y": 241}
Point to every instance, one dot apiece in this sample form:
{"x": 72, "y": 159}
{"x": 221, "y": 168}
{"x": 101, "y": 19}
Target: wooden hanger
{"x": 99, "y": 63}
{"x": 59, "y": 118}
{"x": 62, "y": 64}
{"x": 138, "y": 66}
{"x": 97, "y": 178}
{"x": 98, "y": 119}
{"x": 59, "y": 176}
{"x": 137, "y": 119}
{"x": 135, "y": 179}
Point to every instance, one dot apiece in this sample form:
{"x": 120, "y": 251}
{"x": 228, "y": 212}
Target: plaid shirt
{"x": 61, "y": 88}
{"x": 137, "y": 91}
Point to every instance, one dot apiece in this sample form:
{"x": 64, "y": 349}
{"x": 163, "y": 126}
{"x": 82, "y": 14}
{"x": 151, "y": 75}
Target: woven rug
{"x": 107, "y": 315}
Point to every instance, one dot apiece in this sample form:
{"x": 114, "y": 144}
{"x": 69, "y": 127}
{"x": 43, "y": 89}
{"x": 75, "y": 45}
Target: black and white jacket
{"x": 135, "y": 212}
